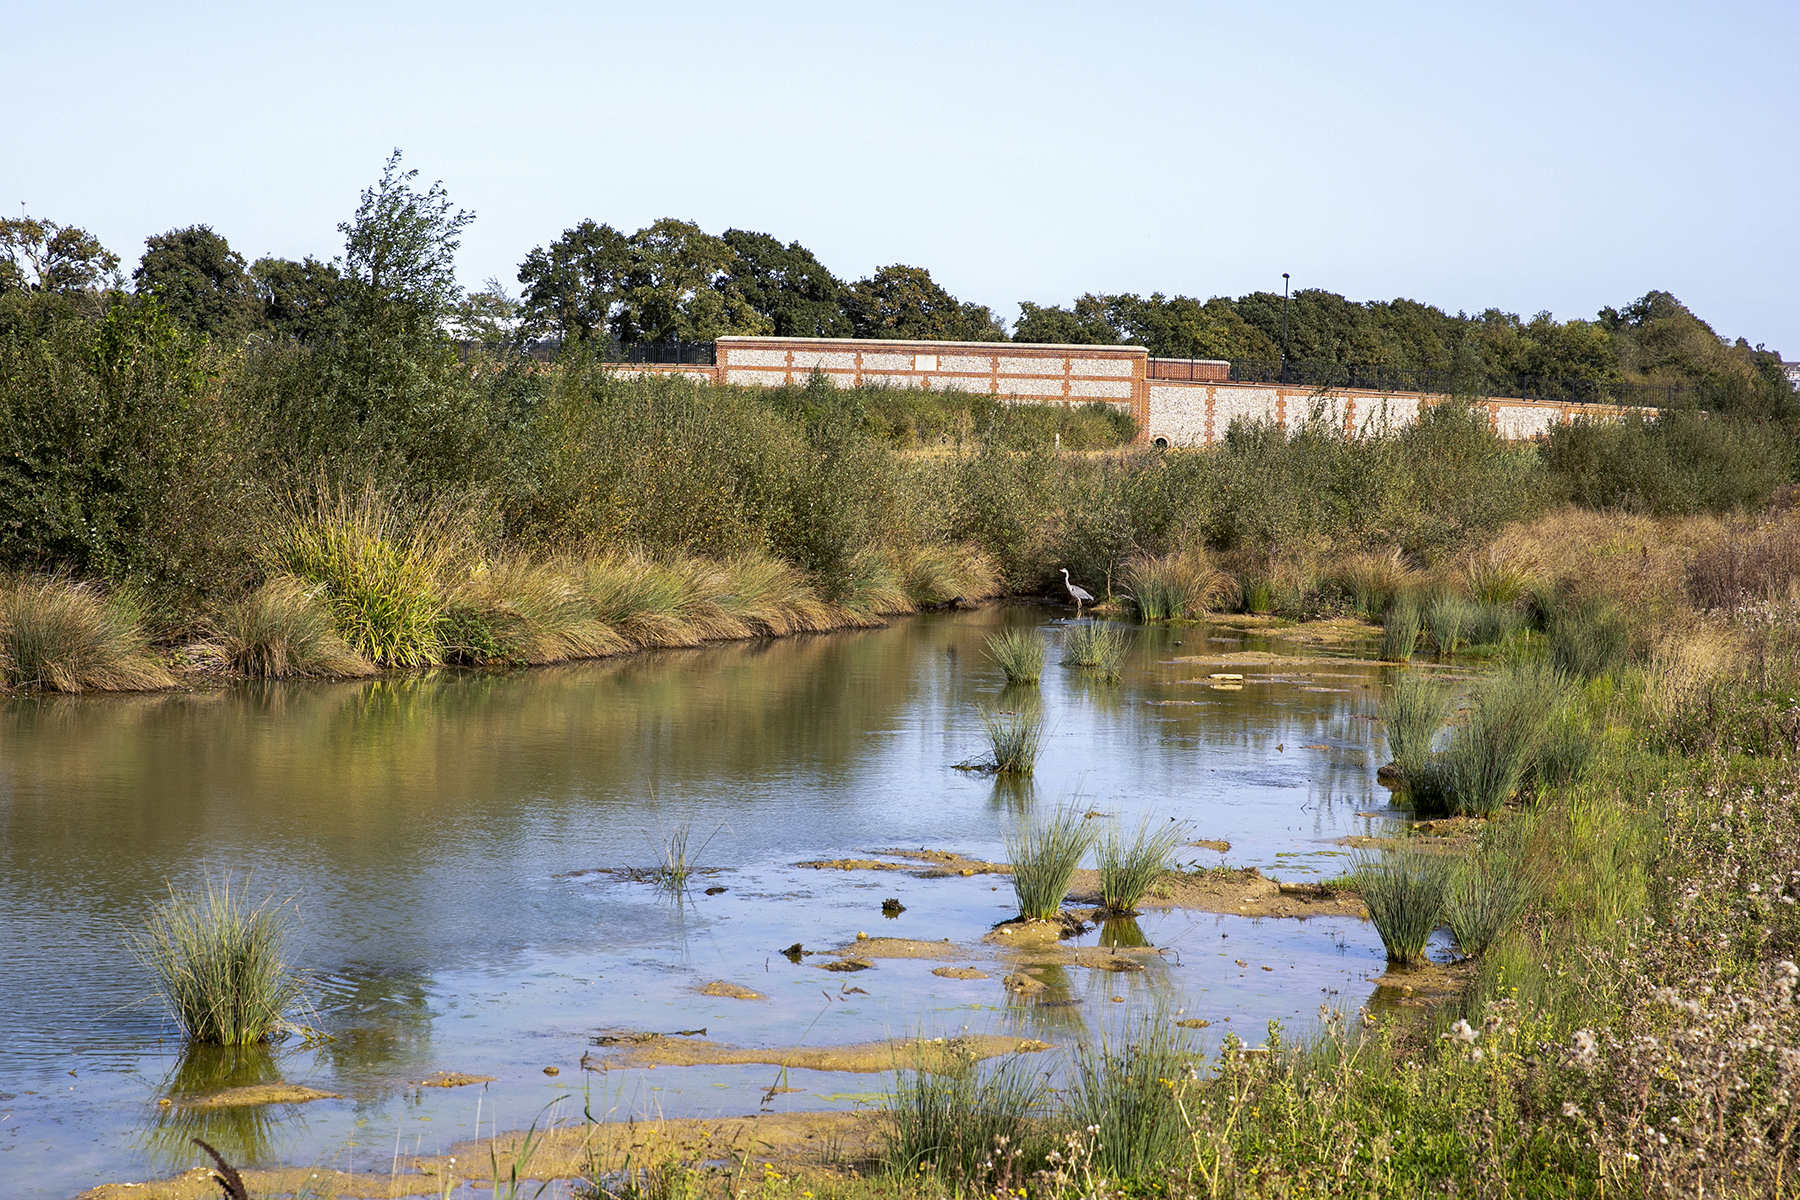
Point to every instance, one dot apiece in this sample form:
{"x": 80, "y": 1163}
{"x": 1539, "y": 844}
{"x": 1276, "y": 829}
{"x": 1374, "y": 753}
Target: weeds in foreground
{"x": 1044, "y": 857}
{"x": 1404, "y": 892}
{"x": 1016, "y": 737}
{"x": 1019, "y": 653}
{"x": 1412, "y": 712}
{"x": 966, "y": 1124}
{"x": 1400, "y": 629}
{"x": 1097, "y": 648}
{"x": 1124, "y": 1093}
{"x": 66, "y": 637}
{"x": 218, "y": 965}
{"x": 1177, "y": 587}
{"x": 1128, "y": 869}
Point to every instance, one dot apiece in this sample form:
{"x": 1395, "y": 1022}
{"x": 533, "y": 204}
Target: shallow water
{"x": 434, "y": 830}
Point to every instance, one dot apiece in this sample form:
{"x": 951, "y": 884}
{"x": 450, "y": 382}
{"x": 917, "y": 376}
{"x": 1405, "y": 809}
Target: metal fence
{"x": 1467, "y": 383}
{"x": 676, "y": 353}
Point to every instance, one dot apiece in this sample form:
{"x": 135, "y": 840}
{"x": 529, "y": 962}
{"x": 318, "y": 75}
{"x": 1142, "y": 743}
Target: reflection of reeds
{"x": 219, "y": 965}
{"x": 1127, "y": 869}
{"x": 1019, "y": 653}
{"x": 243, "y": 1133}
{"x": 1044, "y": 858}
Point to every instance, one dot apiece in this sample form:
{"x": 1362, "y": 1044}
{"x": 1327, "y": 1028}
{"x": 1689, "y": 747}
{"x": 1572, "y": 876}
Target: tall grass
{"x": 1019, "y": 653}
{"x": 282, "y": 630}
{"x": 955, "y": 1122}
{"x": 521, "y": 612}
{"x": 1400, "y": 629}
{"x": 1177, "y": 587}
{"x": 1493, "y": 624}
{"x": 1488, "y": 758}
{"x": 1129, "y": 868}
{"x": 1589, "y": 640}
{"x": 1483, "y": 899}
{"x": 218, "y": 965}
{"x": 1412, "y": 713}
{"x": 1123, "y": 1089}
{"x": 381, "y": 576}
{"x": 1044, "y": 857}
{"x": 1404, "y": 892}
{"x": 1449, "y": 617}
{"x": 1500, "y": 576}
{"x": 1016, "y": 737}
{"x": 1257, "y": 594}
{"x": 1375, "y": 581}
{"x": 1096, "y": 647}
{"x": 63, "y": 636}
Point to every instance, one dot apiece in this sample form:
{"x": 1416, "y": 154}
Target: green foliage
{"x": 1449, "y": 617}
{"x": 786, "y": 285}
{"x": 1016, "y": 737}
{"x": 1019, "y": 653}
{"x": 1400, "y": 629}
{"x": 43, "y": 256}
{"x": 1591, "y": 639}
{"x": 1129, "y": 868}
{"x": 200, "y": 279}
{"x": 1404, "y": 892}
{"x": 1124, "y": 1090}
{"x": 1679, "y": 462}
{"x": 904, "y": 302}
{"x": 381, "y": 576}
{"x": 218, "y": 965}
{"x": 950, "y": 1121}
{"x": 1044, "y": 856}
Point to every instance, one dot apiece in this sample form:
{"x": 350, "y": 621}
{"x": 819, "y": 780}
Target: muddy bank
{"x": 934, "y": 1054}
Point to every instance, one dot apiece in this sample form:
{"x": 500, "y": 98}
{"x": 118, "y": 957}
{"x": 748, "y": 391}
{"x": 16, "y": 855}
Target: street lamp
{"x": 1284, "y": 300}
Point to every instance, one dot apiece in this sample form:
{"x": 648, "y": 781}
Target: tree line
{"x": 598, "y": 286}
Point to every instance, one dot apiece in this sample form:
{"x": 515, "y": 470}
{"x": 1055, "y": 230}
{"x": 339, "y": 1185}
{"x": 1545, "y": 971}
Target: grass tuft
{"x": 219, "y": 967}
{"x": 1501, "y": 576}
{"x": 283, "y": 630}
{"x": 1096, "y": 647}
{"x": 1017, "y": 652}
{"x": 1123, "y": 1090}
{"x": 66, "y": 637}
{"x": 1177, "y": 587}
{"x": 1449, "y": 617}
{"x": 1488, "y": 758}
{"x": 1482, "y": 901}
{"x": 1412, "y": 713}
{"x": 524, "y": 613}
{"x": 1128, "y": 869}
{"x": 1044, "y": 858}
{"x": 955, "y": 1122}
{"x": 1400, "y": 629}
{"x": 1016, "y": 737}
{"x": 1404, "y": 892}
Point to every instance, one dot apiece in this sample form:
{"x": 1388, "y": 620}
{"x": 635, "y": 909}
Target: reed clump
{"x": 1400, "y": 629}
{"x": 1123, "y": 1092}
{"x": 954, "y": 1123}
{"x": 219, "y": 965}
{"x": 1489, "y": 757}
{"x": 1413, "y": 711}
{"x": 1177, "y": 587}
{"x": 1487, "y": 893}
{"x": 283, "y": 630}
{"x": 1449, "y": 618}
{"x": 1375, "y": 581}
{"x": 1044, "y": 857}
{"x": 1128, "y": 868}
{"x": 1096, "y": 647}
{"x": 1016, "y": 737}
{"x": 520, "y": 612}
{"x": 380, "y": 576}
{"x": 1404, "y": 892}
{"x": 63, "y": 636}
{"x": 1019, "y": 653}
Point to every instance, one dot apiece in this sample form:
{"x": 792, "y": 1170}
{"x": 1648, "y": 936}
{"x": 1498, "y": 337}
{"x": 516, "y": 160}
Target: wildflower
{"x": 1571, "y": 1109}
{"x": 1462, "y": 1032}
{"x": 1586, "y": 1051}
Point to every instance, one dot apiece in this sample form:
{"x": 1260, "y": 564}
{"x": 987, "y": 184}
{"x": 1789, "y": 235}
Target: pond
{"x": 445, "y": 838}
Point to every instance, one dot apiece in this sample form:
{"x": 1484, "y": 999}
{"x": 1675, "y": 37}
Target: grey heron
{"x": 1080, "y": 594}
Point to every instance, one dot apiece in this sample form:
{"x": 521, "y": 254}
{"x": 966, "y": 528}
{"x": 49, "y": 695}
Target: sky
{"x": 1525, "y": 156}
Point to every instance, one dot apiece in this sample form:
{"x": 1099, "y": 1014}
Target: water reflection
{"x": 243, "y": 1133}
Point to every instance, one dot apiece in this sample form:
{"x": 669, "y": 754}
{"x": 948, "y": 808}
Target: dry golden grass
{"x": 63, "y": 636}
{"x": 282, "y": 630}
{"x": 537, "y": 613}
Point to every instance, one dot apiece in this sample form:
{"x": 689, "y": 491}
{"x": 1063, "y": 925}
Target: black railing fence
{"x": 1460, "y": 383}
{"x": 676, "y": 353}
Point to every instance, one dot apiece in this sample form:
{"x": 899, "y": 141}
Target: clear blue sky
{"x": 1529, "y": 156}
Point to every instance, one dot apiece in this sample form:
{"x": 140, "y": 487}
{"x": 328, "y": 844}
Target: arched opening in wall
{"x": 1161, "y": 443}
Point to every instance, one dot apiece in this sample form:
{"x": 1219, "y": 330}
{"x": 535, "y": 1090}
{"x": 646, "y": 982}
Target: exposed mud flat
{"x": 451, "y": 1079}
{"x": 1442, "y": 835}
{"x": 720, "y": 987}
{"x": 943, "y": 863}
{"x": 935, "y": 1054}
{"x": 1423, "y": 985}
{"x": 258, "y": 1093}
{"x": 1249, "y": 893}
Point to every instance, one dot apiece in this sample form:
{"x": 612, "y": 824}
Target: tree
{"x": 1182, "y": 327}
{"x": 301, "y": 300}
{"x": 786, "y": 284}
{"x": 677, "y": 288}
{"x": 400, "y": 250}
{"x": 1085, "y": 324}
{"x": 489, "y": 317}
{"x": 574, "y": 285}
{"x": 42, "y": 256}
{"x": 905, "y": 303}
{"x": 200, "y": 279}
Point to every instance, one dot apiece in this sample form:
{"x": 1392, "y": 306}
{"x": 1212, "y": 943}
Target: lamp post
{"x": 1284, "y": 300}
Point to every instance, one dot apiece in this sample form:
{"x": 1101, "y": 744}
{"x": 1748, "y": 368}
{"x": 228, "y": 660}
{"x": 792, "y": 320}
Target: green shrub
{"x": 218, "y": 965}
{"x": 1128, "y": 869}
{"x": 63, "y": 636}
{"x": 1044, "y": 856}
{"x": 1256, "y": 595}
{"x": 1589, "y": 640}
{"x": 521, "y": 612}
{"x": 1019, "y": 653}
{"x": 1404, "y": 893}
{"x": 1494, "y": 624}
{"x": 380, "y": 577}
{"x": 282, "y": 630}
